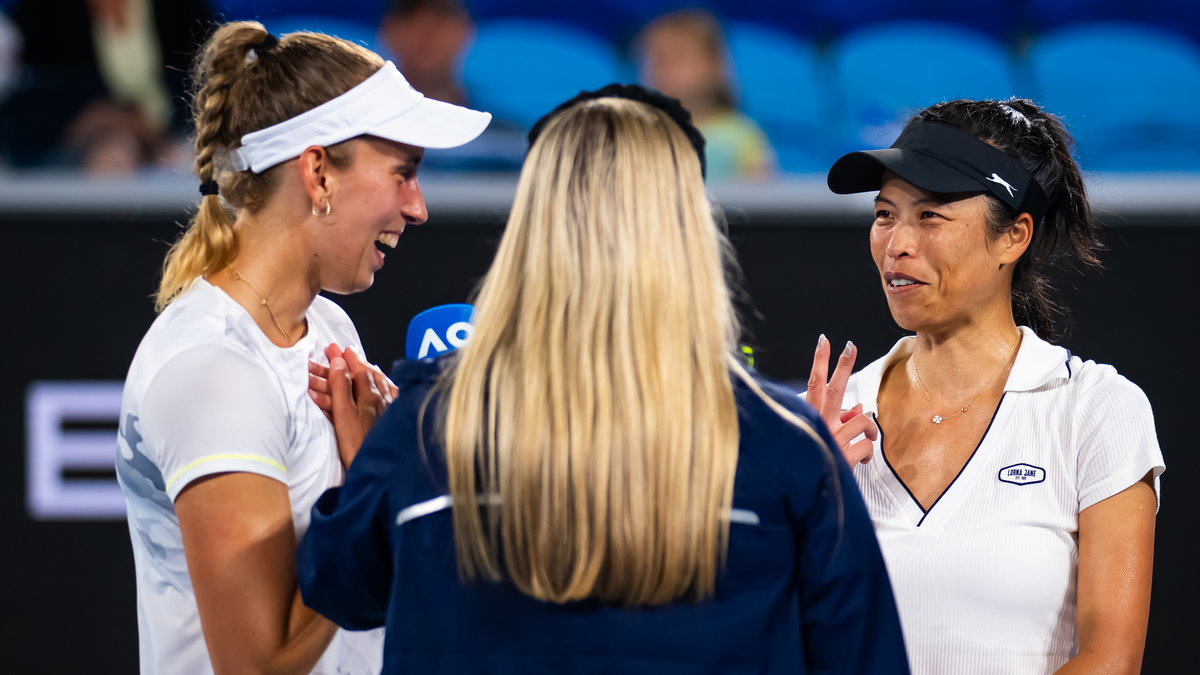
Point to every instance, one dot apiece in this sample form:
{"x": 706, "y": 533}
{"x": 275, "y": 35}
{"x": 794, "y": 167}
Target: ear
{"x": 316, "y": 174}
{"x": 1011, "y": 245}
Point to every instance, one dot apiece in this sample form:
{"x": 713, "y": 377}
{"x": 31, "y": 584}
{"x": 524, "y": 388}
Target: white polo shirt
{"x": 985, "y": 579}
{"x": 209, "y": 393}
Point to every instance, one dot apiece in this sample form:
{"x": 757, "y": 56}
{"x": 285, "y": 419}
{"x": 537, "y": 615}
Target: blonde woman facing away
{"x": 313, "y": 145}
{"x": 594, "y": 484}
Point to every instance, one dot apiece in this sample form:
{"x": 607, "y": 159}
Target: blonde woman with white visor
{"x": 307, "y": 152}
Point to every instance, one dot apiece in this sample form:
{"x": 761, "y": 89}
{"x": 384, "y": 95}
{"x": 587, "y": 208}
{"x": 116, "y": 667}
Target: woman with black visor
{"x": 1014, "y": 485}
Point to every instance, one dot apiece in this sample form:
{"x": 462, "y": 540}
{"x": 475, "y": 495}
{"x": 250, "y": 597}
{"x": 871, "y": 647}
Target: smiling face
{"x": 939, "y": 267}
{"x": 375, "y": 197}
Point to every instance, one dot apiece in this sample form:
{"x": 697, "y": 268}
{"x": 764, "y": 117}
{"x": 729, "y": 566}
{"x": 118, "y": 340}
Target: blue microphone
{"x": 438, "y": 330}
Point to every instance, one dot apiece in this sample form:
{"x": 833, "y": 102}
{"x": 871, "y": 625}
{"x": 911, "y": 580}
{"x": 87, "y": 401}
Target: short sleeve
{"x": 1117, "y": 443}
{"x": 212, "y": 410}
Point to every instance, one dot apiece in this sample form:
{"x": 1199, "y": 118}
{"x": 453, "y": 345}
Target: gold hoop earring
{"x": 328, "y": 209}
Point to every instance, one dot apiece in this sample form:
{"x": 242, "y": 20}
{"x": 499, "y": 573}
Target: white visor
{"x": 383, "y": 105}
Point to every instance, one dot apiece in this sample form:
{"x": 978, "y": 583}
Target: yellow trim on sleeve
{"x": 229, "y": 455}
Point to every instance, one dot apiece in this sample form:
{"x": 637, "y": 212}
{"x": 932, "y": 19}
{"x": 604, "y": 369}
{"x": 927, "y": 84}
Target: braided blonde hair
{"x": 239, "y": 88}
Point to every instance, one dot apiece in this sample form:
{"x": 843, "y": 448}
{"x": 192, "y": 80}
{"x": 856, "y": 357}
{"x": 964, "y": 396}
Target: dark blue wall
{"x": 79, "y": 300}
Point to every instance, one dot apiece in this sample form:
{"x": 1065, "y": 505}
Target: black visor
{"x": 942, "y": 158}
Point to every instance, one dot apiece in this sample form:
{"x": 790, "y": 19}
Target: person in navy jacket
{"x": 594, "y": 484}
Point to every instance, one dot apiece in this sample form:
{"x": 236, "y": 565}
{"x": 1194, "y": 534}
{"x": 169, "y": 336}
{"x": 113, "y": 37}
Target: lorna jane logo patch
{"x": 1022, "y": 474}
{"x": 1012, "y": 191}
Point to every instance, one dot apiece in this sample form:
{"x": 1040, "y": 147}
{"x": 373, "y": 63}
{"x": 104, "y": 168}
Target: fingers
{"x": 354, "y": 361}
{"x": 340, "y": 390}
{"x": 856, "y": 426}
{"x": 324, "y": 402}
{"x": 318, "y": 385}
{"x": 858, "y": 453}
{"x": 819, "y": 374}
{"x": 333, "y": 351}
{"x": 389, "y": 388}
{"x": 318, "y": 388}
{"x": 383, "y": 385}
{"x": 825, "y": 393}
{"x": 318, "y": 378}
{"x": 836, "y": 388}
{"x": 354, "y": 394}
{"x": 847, "y": 415}
{"x": 365, "y": 391}
{"x": 349, "y": 387}
{"x": 318, "y": 370}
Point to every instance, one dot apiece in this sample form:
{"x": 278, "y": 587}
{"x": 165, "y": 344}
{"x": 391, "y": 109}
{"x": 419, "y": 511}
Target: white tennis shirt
{"x": 209, "y": 393}
{"x": 985, "y": 579}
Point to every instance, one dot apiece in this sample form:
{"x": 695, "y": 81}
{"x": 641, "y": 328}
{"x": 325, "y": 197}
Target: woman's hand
{"x": 825, "y": 394}
{"x": 352, "y": 393}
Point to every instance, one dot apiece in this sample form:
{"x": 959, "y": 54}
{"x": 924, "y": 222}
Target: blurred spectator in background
{"x": 101, "y": 84}
{"x": 428, "y": 39}
{"x": 683, "y": 55}
{"x": 10, "y": 53}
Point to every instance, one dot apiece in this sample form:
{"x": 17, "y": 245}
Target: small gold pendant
{"x": 937, "y": 419}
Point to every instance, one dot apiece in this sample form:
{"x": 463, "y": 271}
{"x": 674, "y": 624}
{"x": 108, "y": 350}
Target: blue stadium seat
{"x": 1177, "y": 16}
{"x": 778, "y": 86}
{"x": 365, "y": 34}
{"x": 794, "y": 18}
{"x": 618, "y": 20}
{"x": 996, "y": 18}
{"x": 882, "y": 74}
{"x": 519, "y": 69}
{"x": 1128, "y": 93}
{"x": 363, "y": 11}
{"x": 606, "y": 19}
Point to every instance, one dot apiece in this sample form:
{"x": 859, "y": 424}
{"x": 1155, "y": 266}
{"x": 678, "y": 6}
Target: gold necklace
{"x": 238, "y": 275}
{"x": 938, "y": 419}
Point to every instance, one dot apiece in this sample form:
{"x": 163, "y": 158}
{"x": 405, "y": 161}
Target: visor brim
{"x": 862, "y": 171}
{"x": 434, "y": 124}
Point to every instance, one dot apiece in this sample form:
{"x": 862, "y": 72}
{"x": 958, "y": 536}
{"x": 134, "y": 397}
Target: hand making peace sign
{"x": 825, "y": 394}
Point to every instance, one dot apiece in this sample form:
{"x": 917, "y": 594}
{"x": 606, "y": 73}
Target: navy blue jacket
{"x": 800, "y": 593}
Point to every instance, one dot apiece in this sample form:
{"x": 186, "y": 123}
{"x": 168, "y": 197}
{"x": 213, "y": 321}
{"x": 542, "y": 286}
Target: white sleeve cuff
{"x": 224, "y": 463}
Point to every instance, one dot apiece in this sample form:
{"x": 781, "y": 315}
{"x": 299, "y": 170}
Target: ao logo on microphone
{"x": 438, "y": 331}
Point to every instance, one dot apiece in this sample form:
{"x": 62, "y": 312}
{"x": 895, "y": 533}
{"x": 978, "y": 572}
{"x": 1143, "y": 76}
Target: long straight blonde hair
{"x": 590, "y": 426}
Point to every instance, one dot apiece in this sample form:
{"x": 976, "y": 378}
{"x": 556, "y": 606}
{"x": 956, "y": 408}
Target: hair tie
{"x": 209, "y": 187}
{"x": 267, "y": 45}
{"x": 263, "y": 47}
